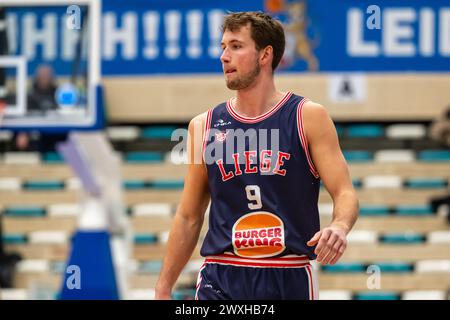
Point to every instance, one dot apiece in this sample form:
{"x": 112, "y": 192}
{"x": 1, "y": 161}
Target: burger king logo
{"x": 258, "y": 235}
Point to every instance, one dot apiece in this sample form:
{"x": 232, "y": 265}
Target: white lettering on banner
{"x": 69, "y": 42}
{"x": 46, "y": 36}
{"x": 172, "y": 21}
{"x": 194, "y": 32}
{"x": 405, "y": 32}
{"x": 70, "y": 38}
{"x": 151, "y": 29}
{"x": 11, "y": 22}
{"x": 356, "y": 46}
{"x": 120, "y": 35}
{"x": 444, "y": 40}
{"x": 215, "y": 19}
{"x": 426, "y": 28}
{"x": 398, "y": 33}
{"x": 126, "y": 35}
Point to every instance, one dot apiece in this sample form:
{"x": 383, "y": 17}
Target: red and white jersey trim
{"x": 240, "y": 118}
{"x": 288, "y": 261}
{"x": 302, "y": 135}
{"x": 206, "y": 132}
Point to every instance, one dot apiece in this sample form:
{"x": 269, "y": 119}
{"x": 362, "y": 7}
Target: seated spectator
{"x": 8, "y": 263}
{"x": 40, "y": 100}
{"x": 440, "y": 128}
{"x": 42, "y": 94}
{"x": 440, "y": 131}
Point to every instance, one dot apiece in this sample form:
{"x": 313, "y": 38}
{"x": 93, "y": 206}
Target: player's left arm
{"x": 329, "y": 162}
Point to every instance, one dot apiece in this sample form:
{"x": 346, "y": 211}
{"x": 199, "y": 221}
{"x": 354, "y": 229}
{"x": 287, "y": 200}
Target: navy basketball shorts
{"x": 230, "y": 277}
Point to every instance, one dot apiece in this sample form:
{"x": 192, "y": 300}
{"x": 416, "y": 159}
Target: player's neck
{"x": 257, "y": 99}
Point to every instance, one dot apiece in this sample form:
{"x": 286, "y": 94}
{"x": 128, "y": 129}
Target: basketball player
{"x": 263, "y": 219}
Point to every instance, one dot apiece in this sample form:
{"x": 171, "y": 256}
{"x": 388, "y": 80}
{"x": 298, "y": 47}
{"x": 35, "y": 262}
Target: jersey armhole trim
{"x": 206, "y": 133}
{"x": 302, "y": 136}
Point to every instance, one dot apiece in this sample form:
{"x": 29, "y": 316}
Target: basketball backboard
{"x": 50, "y": 65}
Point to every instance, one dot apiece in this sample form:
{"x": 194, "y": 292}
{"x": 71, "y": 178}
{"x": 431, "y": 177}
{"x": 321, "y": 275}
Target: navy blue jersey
{"x": 264, "y": 187}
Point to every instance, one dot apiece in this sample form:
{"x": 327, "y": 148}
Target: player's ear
{"x": 266, "y": 55}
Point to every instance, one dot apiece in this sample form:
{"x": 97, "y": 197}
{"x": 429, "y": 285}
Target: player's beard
{"x": 242, "y": 82}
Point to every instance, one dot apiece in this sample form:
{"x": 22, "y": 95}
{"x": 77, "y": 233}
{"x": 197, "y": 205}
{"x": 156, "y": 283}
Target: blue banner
{"x": 174, "y": 37}
{"x": 322, "y": 35}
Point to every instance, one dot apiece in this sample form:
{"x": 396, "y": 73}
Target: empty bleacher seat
{"x": 140, "y": 294}
{"x": 362, "y": 237}
{"x": 134, "y": 184}
{"x": 377, "y": 295}
{"x": 52, "y": 158}
{"x": 13, "y": 294}
{"x": 123, "y": 133}
{"x": 414, "y": 210}
{"x": 48, "y": 237}
{"x": 383, "y": 182}
{"x": 73, "y": 184}
{"x": 439, "y": 237}
{"x": 33, "y": 265}
{"x": 163, "y": 236}
{"x": 152, "y": 209}
{"x": 426, "y": 183}
{"x": 358, "y": 156}
{"x": 193, "y": 266}
{"x": 402, "y": 238}
{"x": 394, "y": 156}
{"x": 176, "y": 158}
{"x": 374, "y": 210}
{"x": 183, "y": 294}
{"x": 325, "y": 209}
{"x": 145, "y": 238}
{"x": 43, "y": 291}
{"x": 133, "y": 265}
{"x": 15, "y": 238}
{"x": 144, "y": 157}
{"x": 10, "y": 184}
{"x": 344, "y": 267}
{"x": 397, "y": 267}
{"x": 406, "y": 131}
{"x": 158, "y": 132}
{"x": 150, "y": 266}
{"x": 357, "y": 183}
{"x": 434, "y": 155}
{"x": 167, "y": 184}
{"x": 335, "y": 295}
{"x": 365, "y": 131}
{"x": 433, "y": 266}
{"x": 46, "y": 185}
{"x": 58, "y": 267}
{"x": 340, "y": 130}
{"x": 22, "y": 158}
{"x": 424, "y": 295}
{"x": 63, "y": 209}
{"x": 32, "y": 211}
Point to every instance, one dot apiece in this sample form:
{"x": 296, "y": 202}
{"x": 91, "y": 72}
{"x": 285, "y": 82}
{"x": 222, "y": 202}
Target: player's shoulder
{"x": 312, "y": 109}
{"x": 197, "y": 123}
{"x": 202, "y": 118}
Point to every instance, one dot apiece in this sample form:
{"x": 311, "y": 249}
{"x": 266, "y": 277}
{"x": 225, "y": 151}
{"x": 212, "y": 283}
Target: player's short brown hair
{"x": 264, "y": 30}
